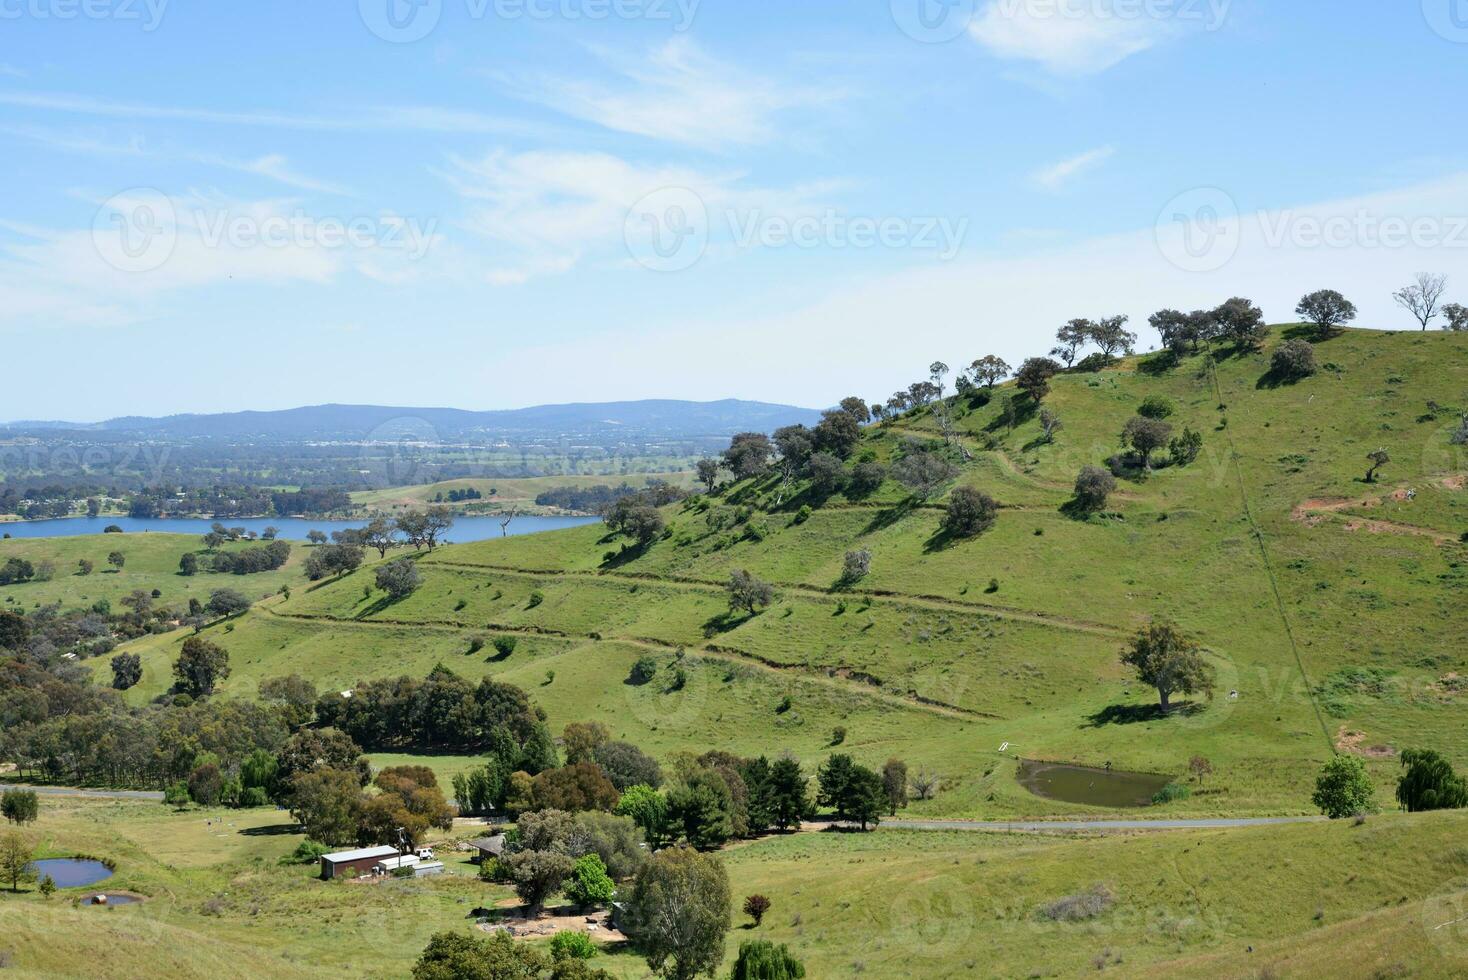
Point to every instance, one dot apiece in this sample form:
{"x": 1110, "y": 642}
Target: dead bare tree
{"x": 925, "y": 784}
{"x": 505, "y": 524}
{"x": 1421, "y": 298}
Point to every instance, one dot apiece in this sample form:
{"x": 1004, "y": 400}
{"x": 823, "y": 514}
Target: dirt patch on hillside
{"x": 1455, "y": 482}
{"x": 594, "y": 925}
{"x": 1347, "y": 740}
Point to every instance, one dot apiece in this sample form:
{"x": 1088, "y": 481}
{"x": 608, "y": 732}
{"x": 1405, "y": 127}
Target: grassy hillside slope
{"x": 1331, "y": 609}
{"x": 1309, "y": 900}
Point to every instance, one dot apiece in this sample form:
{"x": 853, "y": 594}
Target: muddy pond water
{"x": 1094, "y": 787}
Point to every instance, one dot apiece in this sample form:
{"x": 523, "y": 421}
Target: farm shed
{"x": 352, "y": 864}
{"x": 488, "y": 847}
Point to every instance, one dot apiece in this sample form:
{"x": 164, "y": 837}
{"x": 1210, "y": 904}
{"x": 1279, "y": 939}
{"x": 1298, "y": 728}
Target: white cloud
{"x": 677, "y": 93}
{"x": 552, "y": 209}
{"x": 1020, "y": 300}
{"x": 1068, "y": 37}
{"x": 1055, "y": 176}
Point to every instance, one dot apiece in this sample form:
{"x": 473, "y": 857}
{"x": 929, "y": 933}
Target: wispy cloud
{"x": 1067, "y": 39}
{"x": 10, "y": 71}
{"x": 553, "y": 209}
{"x": 1057, "y": 175}
{"x": 273, "y": 166}
{"x": 373, "y": 118}
{"x": 676, "y": 93}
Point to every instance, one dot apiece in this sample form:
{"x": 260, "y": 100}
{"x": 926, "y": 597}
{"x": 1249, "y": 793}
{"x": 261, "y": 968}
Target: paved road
{"x": 1021, "y": 826}
{"x": 101, "y": 794}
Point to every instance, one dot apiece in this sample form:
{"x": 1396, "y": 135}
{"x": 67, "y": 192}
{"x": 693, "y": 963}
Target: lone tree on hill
{"x": 1457, "y": 315}
{"x": 1168, "y": 660}
{"x": 1430, "y": 783}
{"x": 1421, "y": 298}
{"x": 1033, "y": 377}
{"x": 1293, "y": 359}
{"x": 990, "y": 370}
{"x": 1111, "y": 336}
{"x": 1093, "y": 486}
{"x": 200, "y": 666}
{"x": 923, "y": 473}
{"x": 1240, "y": 321}
{"x": 755, "y": 906}
{"x": 1343, "y": 788}
{"x": 749, "y": 592}
{"x": 708, "y": 473}
{"x": 1378, "y": 458}
{"x": 399, "y": 579}
{"x": 969, "y": 512}
{"x": 1326, "y": 310}
{"x": 1071, "y": 339}
{"x": 1145, "y": 436}
{"x": 748, "y": 455}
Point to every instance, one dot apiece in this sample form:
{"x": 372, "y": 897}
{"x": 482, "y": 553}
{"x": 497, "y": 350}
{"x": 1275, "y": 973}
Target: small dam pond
{"x": 1092, "y": 787}
{"x": 111, "y": 899}
{"x": 71, "y": 872}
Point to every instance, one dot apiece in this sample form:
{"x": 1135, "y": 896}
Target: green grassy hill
{"x": 1331, "y": 609}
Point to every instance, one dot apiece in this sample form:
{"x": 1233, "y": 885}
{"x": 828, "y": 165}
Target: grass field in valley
{"x": 1353, "y": 901}
{"x": 948, "y": 650}
{"x": 151, "y": 562}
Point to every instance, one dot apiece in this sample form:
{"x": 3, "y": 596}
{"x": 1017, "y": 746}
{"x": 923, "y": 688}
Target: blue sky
{"x": 493, "y": 203}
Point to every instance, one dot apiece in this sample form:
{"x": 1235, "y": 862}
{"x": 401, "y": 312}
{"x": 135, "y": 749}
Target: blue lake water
{"x": 289, "y": 528}
{"x": 71, "y": 872}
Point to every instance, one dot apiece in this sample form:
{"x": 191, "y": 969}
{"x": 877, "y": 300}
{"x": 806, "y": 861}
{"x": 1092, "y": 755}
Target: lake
{"x": 289, "y": 528}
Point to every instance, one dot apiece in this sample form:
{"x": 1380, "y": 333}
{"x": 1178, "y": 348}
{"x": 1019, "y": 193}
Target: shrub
{"x": 802, "y": 515}
{"x": 969, "y": 512}
{"x": 590, "y": 884}
{"x": 856, "y": 565}
{"x": 1155, "y": 407}
{"x": 505, "y": 645}
{"x": 1094, "y": 486}
{"x": 308, "y": 852}
{"x": 1077, "y": 908}
{"x": 644, "y": 670}
{"x": 1171, "y": 793}
{"x": 536, "y": 598}
{"x": 572, "y": 946}
{"x": 1343, "y": 788}
{"x": 1293, "y": 359}
{"x": 755, "y": 906}
{"x": 763, "y": 960}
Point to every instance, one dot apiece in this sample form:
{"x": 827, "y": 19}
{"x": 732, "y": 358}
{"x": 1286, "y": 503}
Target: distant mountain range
{"x": 664, "y": 418}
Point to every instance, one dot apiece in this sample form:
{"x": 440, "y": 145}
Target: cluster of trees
{"x": 1345, "y": 789}
{"x": 233, "y": 501}
{"x": 796, "y": 451}
{"x": 246, "y": 561}
{"x": 459, "y": 495}
{"x": 601, "y": 498}
{"x": 446, "y": 712}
